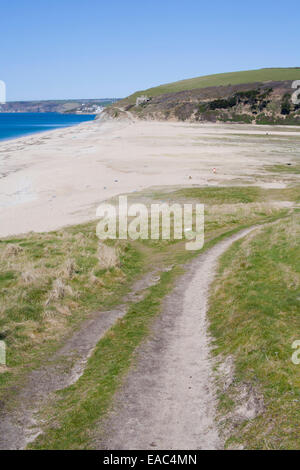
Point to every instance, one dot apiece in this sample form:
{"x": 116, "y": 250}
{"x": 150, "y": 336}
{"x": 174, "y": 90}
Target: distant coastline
{"x": 76, "y": 106}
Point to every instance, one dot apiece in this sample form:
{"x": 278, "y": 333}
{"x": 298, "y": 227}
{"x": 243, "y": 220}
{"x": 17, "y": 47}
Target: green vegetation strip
{"x": 289, "y": 169}
{"x": 254, "y": 317}
{"x": 239, "y": 194}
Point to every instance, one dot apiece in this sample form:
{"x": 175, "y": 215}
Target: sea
{"x": 14, "y": 125}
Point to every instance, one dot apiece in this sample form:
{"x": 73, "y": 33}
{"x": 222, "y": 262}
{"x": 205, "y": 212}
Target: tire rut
{"x": 20, "y": 426}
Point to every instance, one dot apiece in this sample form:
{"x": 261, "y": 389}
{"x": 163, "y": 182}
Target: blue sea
{"x": 19, "y": 124}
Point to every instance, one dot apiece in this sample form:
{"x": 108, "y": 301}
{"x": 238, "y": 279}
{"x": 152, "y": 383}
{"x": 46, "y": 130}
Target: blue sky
{"x": 60, "y": 49}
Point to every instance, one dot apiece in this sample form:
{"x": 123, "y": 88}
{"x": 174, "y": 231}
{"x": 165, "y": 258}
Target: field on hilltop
{"x": 261, "y": 96}
{"x": 223, "y": 79}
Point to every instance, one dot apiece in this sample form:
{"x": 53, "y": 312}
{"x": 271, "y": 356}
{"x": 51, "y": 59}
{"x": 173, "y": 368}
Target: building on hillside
{"x": 142, "y": 100}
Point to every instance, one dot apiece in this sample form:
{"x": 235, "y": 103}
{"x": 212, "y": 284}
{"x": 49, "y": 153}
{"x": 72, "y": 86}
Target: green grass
{"x": 222, "y": 79}
{"x": 293, "y": 169}
{"x": 222, "y": 195}
{"x": 254, "y": 316}
{"x": 234, "y": 194}
{"x": 80, "y": 407}
{"x": 6, "y": 276}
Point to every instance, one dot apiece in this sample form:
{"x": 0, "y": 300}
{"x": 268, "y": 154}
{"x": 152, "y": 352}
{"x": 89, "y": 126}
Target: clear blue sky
{"x": 59, "y": 49}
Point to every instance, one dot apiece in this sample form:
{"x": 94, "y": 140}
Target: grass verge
{"x": 254, "y": 316}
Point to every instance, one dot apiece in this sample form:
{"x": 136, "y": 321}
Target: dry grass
{"x": 30, "y": 275}
{"x": 11, "y": 249}
{"x": 108, "y": 256}
{"x": 59, "y": 291}
{"x": 69, "y": 269}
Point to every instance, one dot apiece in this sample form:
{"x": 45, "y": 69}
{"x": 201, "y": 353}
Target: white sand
{"x": 59, "y": 177}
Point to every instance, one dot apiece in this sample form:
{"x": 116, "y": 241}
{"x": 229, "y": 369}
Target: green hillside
{"x": 220, "y": 79}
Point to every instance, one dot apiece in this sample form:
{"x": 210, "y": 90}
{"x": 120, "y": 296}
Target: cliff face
{"x": 261, "y": 103}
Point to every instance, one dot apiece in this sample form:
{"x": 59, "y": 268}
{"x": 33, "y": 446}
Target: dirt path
{"x": 168, "y": 400}
{"x": 19, "y": 424}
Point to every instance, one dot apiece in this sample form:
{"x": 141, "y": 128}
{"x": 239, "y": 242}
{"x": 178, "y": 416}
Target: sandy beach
{"x": 58, "y": 178}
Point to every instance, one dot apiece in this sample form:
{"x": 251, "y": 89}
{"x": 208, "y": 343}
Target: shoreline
{"x": 58, "y": 177}
{"x": 8, "y": 139}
